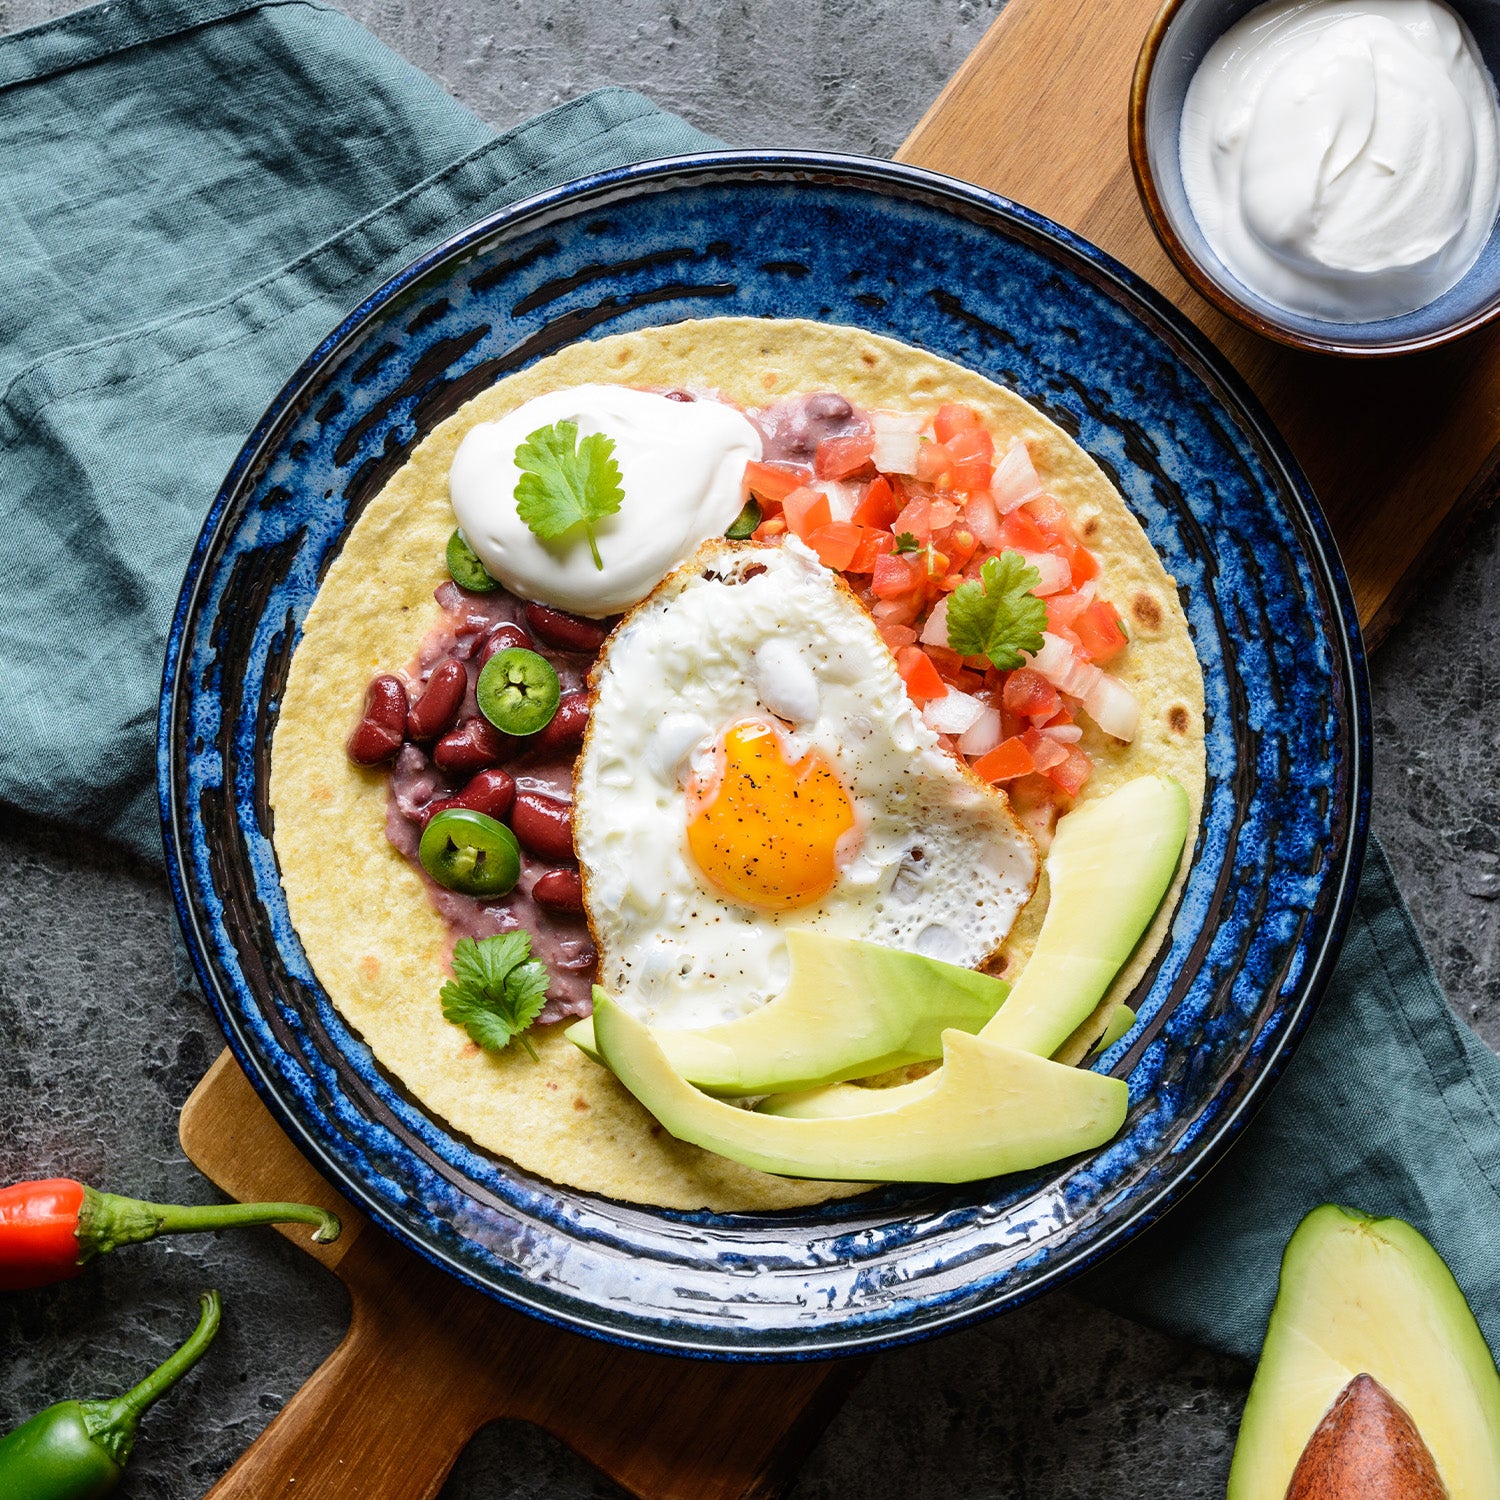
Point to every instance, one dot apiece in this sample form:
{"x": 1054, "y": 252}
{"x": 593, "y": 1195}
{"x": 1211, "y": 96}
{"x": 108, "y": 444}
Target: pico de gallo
{"x": 909, "y": 509}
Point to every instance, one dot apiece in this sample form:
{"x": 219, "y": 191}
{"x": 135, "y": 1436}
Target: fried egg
{"x": 754, "y": 764}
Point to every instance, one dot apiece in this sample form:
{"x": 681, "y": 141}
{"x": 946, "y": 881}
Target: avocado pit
{"x": 1366, "y": 1448}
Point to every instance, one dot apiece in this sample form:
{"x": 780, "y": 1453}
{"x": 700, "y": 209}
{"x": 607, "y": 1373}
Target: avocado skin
{"x": 1366, "y": 1448}
{"x": 1365, "y": 1295}
{"x": 850, "y": 1009}
{"x": 995, "y": 1110}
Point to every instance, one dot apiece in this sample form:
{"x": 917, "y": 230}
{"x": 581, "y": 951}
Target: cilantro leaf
{"x": 497, "y": 989}
{"x": 907, "y": 542}
{"x": 997, "y": 615}
{"x": 566, "y": 483}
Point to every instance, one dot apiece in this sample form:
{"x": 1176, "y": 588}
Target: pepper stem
{"x": 112, "y": 1424}
{"x": 106, "y": 1221}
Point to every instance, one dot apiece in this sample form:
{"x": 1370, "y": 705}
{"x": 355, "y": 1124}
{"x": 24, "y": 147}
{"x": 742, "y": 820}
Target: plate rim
{"x": 1188, "y": 344}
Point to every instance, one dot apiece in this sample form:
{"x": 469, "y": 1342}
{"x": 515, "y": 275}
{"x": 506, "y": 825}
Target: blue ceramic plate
{"x": 999, "y": 289}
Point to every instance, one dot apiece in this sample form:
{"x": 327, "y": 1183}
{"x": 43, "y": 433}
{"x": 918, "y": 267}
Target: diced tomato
{"x": 1030, "y": 694}
{"x": 948, "y": 662}
{"x": 900, "y": 611}
{"x": 971, "y": 445}
{"x": 806, "y": 509}
{"x": 1045, "y": 751}
{"x": 894, "y": 577}
{"x": 872, "y": 545}
{"x": 1084, "y": 565}
{"x": 1070, "y": 774}
{"x": 880, "y": 507}
{"x": 1064, "y": 609}
{"x": 958, "y": 547}
{"x": 769, "y": 529}
{"x": 1053, "y": 519}
{"x": 1062, "y": 716}
{"x": 974, "y": 477}
{"x": 919, "y": 675}
{"x": 933, "y": 461}
{"x": 897, "y": 636}
{"x": 836, "y": 544}
{"x": 1009, "y": 759}
{"x": 839, "y": 457}
{"x": 1020, "y": 530}
{"x": 916, "y": 518}
{"x": 774, "y": 482}
{"x": 941, "y": 514}
{"x": 1100, "y": 632}
{"x": 954, "y": 418}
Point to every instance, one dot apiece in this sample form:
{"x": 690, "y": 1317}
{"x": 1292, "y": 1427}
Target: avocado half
{"x": 1362, "y": 1296}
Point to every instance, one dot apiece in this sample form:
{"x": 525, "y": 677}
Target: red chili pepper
{"x": 51, "y": 1229}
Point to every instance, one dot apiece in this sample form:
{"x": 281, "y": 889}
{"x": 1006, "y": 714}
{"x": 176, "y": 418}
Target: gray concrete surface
{"x": 98, "y": 1049}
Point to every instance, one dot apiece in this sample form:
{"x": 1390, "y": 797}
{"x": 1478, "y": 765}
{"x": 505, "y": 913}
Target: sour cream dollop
{"x": 682, "y": 466}
{"x": 1340, "y": 156}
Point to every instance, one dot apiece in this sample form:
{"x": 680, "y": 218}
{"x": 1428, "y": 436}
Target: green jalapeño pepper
{"x": 465, "y": 568}
{"x": 518, "y": 691}
{"x": 470, "y": 852}
{"x": 77, "y": 1450}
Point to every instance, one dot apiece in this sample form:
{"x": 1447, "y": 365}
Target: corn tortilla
{"x": 380, "y": 949}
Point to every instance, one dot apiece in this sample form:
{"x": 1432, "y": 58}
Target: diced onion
{"x": 982, "y": 735}
{"x": 1055, "y": 573}
{"x": 935, "y": 631}
{"x": 1064, "y": 734}
{"x": 1016, "y": 480}
{"x": 896, "y": 452}
{"x": 844, "y": 496}
{"x": 1054, "y": 660}
{"x": 953, "y": 713}
{"x": 1112, "y": 706}
{"x": 897, "y": 441}
{"x": 1081, "y": 679}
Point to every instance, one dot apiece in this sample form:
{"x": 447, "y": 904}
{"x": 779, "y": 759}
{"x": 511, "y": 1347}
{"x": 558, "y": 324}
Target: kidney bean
{"x": 565, "y": 730}
{"x": 560, "y": 890}
{"x": 502, "y": 638}
{"x": 372, "y": 743}
{"x": 385, "y": 703}
{"x": 679, "y": 395}
{"x": 440, "y": 702}
{"x": 490, "y": 792}
{"x": 565, "y": 632}
{"x": 543, "y": 825}
{"x": 474, "y": 746}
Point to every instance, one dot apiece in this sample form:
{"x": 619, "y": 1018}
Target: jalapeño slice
{"x": 742, "y": 528}
{"x": 518, "y": 691}
{"x": 465, "y": 568}
{"x": 470, "y": 852}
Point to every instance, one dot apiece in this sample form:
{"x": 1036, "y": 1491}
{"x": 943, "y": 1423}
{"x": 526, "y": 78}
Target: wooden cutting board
{"x": 1400, "y": 453}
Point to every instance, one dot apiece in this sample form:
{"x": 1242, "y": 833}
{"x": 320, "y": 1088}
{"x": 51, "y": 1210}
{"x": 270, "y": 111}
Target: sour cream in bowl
{"x": 1327, "y": 171}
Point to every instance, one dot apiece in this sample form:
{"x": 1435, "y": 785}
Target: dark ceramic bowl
{"x": 1003, "y": 291}
{"x": 1180, "y": 35}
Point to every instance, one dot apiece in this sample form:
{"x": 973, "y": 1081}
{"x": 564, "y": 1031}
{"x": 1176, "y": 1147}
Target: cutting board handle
{"x": 374, "y": 1421}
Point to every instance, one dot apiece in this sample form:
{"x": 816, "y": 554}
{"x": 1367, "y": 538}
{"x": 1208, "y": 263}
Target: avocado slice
{"x": 850, "y": 1010}
{"x": 995, "y": 1110}
{"x": 1368, "y": 1296}
{"x": 1110, "y": 864}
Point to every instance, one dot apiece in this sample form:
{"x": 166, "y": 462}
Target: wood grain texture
{"x": 1400, "y": 451}
{"x": 427, "y": 1362}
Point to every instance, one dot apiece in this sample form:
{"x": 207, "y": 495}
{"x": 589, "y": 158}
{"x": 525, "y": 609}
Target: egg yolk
{"x": 765, "y": 831}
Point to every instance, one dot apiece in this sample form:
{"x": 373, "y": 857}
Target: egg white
{"x": 939, "y": 866}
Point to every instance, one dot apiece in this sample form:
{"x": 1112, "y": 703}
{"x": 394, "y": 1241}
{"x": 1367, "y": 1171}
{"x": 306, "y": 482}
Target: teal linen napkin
{"x": 192, "y": 192}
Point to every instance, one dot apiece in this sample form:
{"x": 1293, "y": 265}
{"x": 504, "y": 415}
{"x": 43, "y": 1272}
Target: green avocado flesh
{"x": 1110, "y": 864}
{"x": 850, "y": 1010}
{"x": 1369, "y": 1296}
{"x": 995, "y": 1110}
{"x": 1120, "y": 1021}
